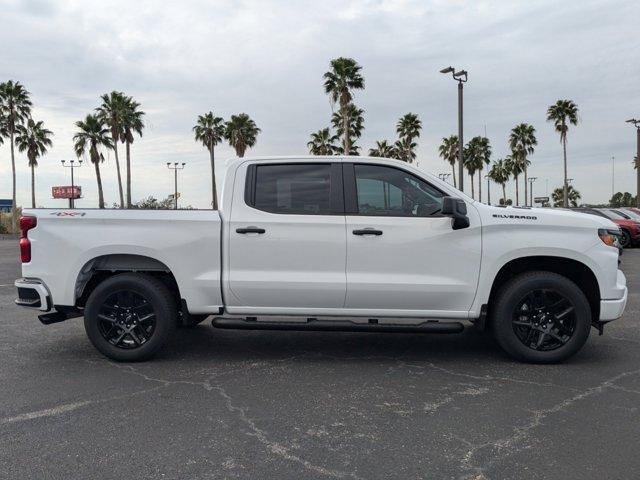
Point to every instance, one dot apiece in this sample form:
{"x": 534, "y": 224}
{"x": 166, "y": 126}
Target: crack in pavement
{"x": 508, "y": 446}
{"x": 272, "y": 446}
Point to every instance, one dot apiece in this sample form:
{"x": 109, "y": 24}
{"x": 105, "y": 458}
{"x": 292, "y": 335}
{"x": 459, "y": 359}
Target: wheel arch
{"x": 99, "y": 268}
{"x": 574, "y": 270}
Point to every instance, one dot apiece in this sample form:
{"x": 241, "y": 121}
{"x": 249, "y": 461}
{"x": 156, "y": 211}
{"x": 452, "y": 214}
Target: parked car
{"x": 629, "y": 229}
{"x": 330, "y": 243}
{"x": 626, "y": 213}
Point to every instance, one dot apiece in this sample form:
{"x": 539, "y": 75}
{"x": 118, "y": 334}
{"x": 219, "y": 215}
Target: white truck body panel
{"x": 312, "y": 264}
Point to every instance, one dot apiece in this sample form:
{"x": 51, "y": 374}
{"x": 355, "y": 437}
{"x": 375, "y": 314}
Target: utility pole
{"x": 175, "y": 167}
{"x": 531, "y": 180}
{"x": 72, "y": 165}
{"x": 461, "y": 77}
{"x": 613, "y": 175}
{"x": 488, "y": 189}
{"x": 636, "y": 123}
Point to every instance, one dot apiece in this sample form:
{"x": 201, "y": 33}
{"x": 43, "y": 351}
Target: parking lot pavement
{"x": 276, "y": 405}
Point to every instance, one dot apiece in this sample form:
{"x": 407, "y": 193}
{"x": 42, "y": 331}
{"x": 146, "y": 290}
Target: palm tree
{"x": 111, "y": 112}
{"x": 15, "y": 107}
{"x": 560, "y": 113}
{"x": 34, "y": 139}
{"x": 559, "y": 197}
{"x": 322, "y": 142}
{"x": 405, "y": 150}
{"x": 514, "y": 166}
{"x": 383, "y": 149}
{"x": 354, "y": 123}
{"x": 241, "y": 132}
{"x": 210, "y": 130}
{"x": 408, "y": 128}
{"x": 483, "y": 148}
{"x": 91, "y": 135}
{"x": 131, "y": 123}
{"x": 448, "y": 151}
{"x": 523, "y": 139}
{"x": 477, "y": 153}
{"x": 339, "y": 83}
{"x": 499, "y": 173}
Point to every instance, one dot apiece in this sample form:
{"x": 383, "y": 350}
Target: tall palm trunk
{"x": 128, "y": 148}
{"x": 345, "y": 127}
{"x": 214, "y": 193}
{"x": 473, "y": 194}
{"x": 517, "y": 191}
{"x": 565, "y": 189}
{"x": 480, "y": 185}
{"x": 504, "y": 194}
{"x": 453, "y": 169}
{"x": 33, "y": 186}
{"x": 115, "y": 151}
{"x": 14, "y": 209}
{"x": 99, "y": 179}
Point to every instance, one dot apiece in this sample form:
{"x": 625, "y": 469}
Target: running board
{"x": 315, "y": 325}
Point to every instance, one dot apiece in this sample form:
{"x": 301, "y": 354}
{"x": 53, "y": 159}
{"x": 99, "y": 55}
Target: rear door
{"x": 402, "y": 256}
{"x": 287, "y": 245}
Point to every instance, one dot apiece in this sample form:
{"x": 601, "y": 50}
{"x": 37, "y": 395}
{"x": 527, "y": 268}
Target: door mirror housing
{"x": 455, "y": 208}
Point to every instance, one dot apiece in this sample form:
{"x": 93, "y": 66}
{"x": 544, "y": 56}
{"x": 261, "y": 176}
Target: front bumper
{"x": 33, "y": 293}
{"x": 611, "y": 309}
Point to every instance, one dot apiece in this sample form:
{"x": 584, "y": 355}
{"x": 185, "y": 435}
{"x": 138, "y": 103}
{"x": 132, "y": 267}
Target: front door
{"x": 403, "y": 257}
{"x": 287, "y": 243}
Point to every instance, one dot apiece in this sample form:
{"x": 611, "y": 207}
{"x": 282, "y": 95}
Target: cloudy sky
{"x": 267, "y": 57}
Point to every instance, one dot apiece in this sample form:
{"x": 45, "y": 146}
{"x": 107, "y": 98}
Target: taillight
{"x": 26, "y": 224}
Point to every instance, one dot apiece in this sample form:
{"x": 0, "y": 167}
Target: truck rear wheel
{"x": 541, "y": 317}
{"x": 129, "y": 316}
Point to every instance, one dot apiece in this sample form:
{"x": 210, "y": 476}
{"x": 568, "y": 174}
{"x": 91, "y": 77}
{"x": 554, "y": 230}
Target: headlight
{"x": 609, "y": 237}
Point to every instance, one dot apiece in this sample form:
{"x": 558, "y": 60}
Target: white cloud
{"x": 267, "y": 58}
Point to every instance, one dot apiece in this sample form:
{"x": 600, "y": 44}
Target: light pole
{"x": 175, "y": 167}
{"x": 613, "y": 175}
{"x": 636, "y": 123}
{"x": 531, "y": 180}
{"x": 461, "y": 77}
{"x": 444, "y": 176}
{"x": 72, "y": 165}
{"x": 488, "y": 177}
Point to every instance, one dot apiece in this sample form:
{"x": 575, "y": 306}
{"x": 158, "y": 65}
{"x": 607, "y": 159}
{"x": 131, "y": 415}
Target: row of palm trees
{"x": 23, "y": 132}
{"x": 340, "y": 82}
{"x": 240, "y": 131}
{"x": 522, "y": 142}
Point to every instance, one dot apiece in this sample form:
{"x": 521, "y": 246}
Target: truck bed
{"x": 66, "y": 243}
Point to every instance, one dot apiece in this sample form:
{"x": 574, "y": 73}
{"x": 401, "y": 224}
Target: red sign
{"x": 66, "y": 192}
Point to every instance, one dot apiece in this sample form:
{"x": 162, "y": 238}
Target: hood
{"x": 541, "y": 216}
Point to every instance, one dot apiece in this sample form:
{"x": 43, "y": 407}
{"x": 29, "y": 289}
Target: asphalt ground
{"x": 294, "y": 405}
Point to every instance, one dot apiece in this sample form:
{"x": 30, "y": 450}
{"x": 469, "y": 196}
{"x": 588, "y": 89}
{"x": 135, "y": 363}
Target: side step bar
{"x": 315, "y": 325}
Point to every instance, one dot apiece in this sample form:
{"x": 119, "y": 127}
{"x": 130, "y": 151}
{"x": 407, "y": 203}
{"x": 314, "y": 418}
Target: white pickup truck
{"x": 326, "y": 243}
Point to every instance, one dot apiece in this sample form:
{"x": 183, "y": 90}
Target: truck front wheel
{"x": 541, "y": 317}
{"x": 129, "y": 316}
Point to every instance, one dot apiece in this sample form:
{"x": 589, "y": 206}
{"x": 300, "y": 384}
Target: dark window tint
{"x": 393, "y": 192}
{"x": 303, "y": 189}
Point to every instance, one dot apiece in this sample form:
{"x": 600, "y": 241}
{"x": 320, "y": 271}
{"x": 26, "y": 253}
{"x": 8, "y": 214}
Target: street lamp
{"x": 72, "y": 165}
{"x": 488, "y": 177}
{"x": 531, "y": 180}
{"x": 461, "y": 77}
{"x": 175, "y": 167}
{"x": 636, "y": 123}
{"x": 444, "y": 176}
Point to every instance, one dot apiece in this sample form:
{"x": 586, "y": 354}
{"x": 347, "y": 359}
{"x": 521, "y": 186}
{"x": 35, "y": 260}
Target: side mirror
{"x": 456, "y": 209}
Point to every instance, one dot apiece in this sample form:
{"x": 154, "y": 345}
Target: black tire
{"x": 625, "y": 239}
{"x": 562, "y": 327}
{"x": 157, "y": 301}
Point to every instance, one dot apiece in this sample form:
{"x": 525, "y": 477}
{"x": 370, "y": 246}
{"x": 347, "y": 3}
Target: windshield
{"x": 627, "y": 214}
{"x": 611, "y": 215}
